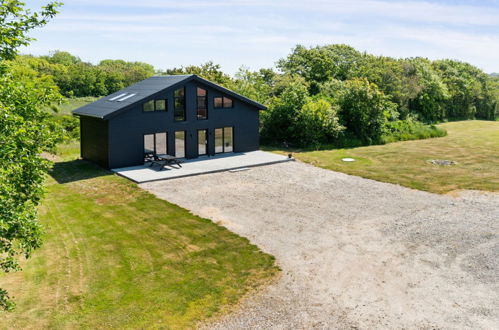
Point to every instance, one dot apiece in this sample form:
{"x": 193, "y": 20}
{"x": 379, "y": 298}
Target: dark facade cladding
{"x": 115, "y": 133}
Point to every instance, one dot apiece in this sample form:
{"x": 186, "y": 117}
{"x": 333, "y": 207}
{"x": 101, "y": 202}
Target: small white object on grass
{"x": 348, "y": 159}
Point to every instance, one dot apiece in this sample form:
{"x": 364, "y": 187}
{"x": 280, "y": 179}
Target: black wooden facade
{"x": 115, "y": 133}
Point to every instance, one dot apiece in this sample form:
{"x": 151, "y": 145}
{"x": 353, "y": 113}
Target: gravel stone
{"x": 354, "y": 253}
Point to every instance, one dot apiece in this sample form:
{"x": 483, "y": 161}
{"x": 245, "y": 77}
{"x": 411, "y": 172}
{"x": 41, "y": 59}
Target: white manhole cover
{"x": 348, "y": 159}
{"x": 442, "y": 162}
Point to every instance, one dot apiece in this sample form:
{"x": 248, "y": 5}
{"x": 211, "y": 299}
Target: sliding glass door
{"x": 224, "y": 140}
{"x": 155, "y": 143}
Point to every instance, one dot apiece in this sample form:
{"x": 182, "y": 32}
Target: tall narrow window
{"x": 161, "y": 144}
{"x": 202, "y": 142}
{"x": 219, "y": 140}
{"x": 148, "y": 143}
{"x": 179, "y": 96}
{"x": 180, "y": 144}
{"x": 202, "y": 103}
{"x": 228, "y": 143}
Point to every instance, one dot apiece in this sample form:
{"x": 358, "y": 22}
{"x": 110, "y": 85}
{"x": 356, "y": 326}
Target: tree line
{"x": 76, "y": 78}
{"x": 330, "y": 94}
{"x": 334, "y": 94}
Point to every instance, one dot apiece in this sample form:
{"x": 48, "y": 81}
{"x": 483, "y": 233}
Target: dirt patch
{"x": 354, "y": 252}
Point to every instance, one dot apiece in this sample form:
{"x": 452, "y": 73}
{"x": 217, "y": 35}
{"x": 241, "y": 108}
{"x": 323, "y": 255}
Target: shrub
{"x": 409, "y": 129}
{"x": 318, "y": 123}
{"x": 67, "y": 125}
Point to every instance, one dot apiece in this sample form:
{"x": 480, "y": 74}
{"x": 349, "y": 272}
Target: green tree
{"x": 321, "y": 63}
{"x": 208, "y": 70}
{"x": 469, "y": 96}
{"x": 60, "y": 57}
{"x": 318, "y": 123}
{"x": 365, "y": 109}
{"x": 279, "y": 121}
{"x": 25, "y": 132}
{"x": 254, "y": 85}
{"x": 430, "y": 94}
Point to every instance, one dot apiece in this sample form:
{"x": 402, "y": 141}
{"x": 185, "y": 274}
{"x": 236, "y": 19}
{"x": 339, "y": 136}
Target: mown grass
{"x": 115, "y": 256}
{"x": 474, "y": 145}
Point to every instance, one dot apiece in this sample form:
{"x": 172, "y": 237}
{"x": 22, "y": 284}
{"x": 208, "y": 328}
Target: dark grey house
{"x": 183, "y": 116}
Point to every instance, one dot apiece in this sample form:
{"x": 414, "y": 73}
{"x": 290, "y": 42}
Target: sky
{"x": 257, "y": 33}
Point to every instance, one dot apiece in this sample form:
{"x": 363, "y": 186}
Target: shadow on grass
{"x": 76, "y": 170}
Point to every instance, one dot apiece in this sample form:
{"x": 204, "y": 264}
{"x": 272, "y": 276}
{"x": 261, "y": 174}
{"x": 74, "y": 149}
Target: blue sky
{"x": 256, "y": 33}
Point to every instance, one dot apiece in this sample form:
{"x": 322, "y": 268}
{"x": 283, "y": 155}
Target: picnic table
{"x": 164, "y": 160}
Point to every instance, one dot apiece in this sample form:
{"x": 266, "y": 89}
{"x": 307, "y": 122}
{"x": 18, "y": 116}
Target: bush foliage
{"x": 330, "y": 94}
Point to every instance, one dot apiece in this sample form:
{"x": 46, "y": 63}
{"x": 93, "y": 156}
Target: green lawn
{"x": 474, "y": 145}
{"x": 115, "y": 256}
{"x": 69, "y": 104}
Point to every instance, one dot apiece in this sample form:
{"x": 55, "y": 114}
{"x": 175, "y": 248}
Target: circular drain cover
{"x": 443, "y": 162}
{"x": 348, "y": 159}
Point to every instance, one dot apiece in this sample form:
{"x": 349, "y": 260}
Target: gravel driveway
{"x": 354, "y": 253}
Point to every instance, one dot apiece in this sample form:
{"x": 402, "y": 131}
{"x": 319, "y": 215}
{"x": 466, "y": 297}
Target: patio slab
{"x": 201, "y": 165}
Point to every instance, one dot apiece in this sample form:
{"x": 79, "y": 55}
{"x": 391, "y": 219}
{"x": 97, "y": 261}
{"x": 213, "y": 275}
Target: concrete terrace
{"x": 201, "y": 165}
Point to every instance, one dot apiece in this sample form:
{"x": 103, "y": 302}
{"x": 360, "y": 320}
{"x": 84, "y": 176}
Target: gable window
{"x": 218, "y": 102}
{"x": 227, "y": 102}
{"x": 154, "y": 105}
{"x": 179, "y": 96}
{"x": 202, "y": 103}
{"x": 149, "y": 105}
{"x": 160, "y": 105}
{"x": 222, "y": 102}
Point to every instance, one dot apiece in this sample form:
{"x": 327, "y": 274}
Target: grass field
{"x": 117, "y": 257}
{"x": 69, "y": 104}
{"x": 474, "y": 145}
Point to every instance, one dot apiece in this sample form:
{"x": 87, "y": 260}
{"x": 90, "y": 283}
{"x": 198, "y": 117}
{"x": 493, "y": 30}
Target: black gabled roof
{"x": 104, "y": 108}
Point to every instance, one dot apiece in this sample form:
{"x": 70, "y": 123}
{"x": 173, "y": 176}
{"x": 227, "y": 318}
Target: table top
{"x": 166, "y": 157}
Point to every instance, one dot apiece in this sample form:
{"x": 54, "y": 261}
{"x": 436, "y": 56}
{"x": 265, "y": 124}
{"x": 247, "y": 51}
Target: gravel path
{"x": 354, "y": 253}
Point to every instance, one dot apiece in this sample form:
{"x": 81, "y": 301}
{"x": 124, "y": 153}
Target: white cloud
{"x": 257, "y": 33}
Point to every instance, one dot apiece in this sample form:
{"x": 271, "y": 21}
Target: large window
{"x": 179, "y": 96}
{"x": 180, "y": 144}
{"x": 154, "y": 105}
{"x": 202, "y": 103}
{"x": 222, "y": 102}
{"x": 224, "y": 140}
{"x": 155, "y": 143}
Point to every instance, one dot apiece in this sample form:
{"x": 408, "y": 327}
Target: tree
{"x": 321, "y": 63}
{"x": 318, "y": 123}
{"x": 279, "y": 121}
{"x": 208, "y": 70}
{"x": 25, "y": 132}
{"x": 469, "y": 96}
{"x": 365, "y": 109}
{"x": 16, "y": 22}
{"x": 254, "y": 85}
